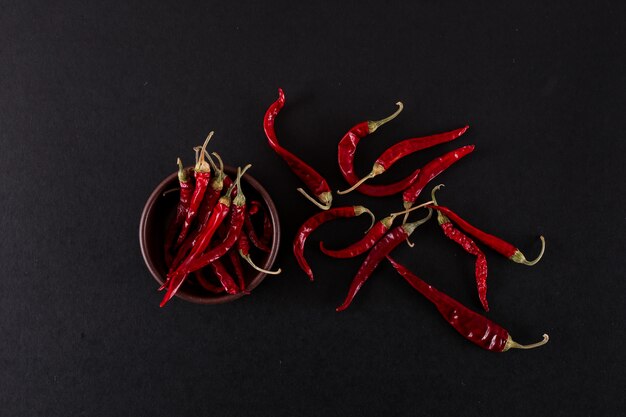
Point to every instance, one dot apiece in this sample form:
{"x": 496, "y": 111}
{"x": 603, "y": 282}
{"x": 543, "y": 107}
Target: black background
{"x": 97, "y": 100}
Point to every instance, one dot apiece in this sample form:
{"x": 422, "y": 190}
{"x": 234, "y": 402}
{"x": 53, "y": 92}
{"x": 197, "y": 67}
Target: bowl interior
{"x": 159, "y": 213}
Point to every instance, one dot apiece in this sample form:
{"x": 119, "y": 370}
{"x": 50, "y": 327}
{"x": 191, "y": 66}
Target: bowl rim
{"x": 210, "y": 299}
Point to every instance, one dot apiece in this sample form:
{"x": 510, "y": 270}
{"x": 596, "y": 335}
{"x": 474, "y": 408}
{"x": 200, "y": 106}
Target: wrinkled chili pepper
{"x": 206, "y": 284}
{"x": 454, "y": 234}
{"x": 431, "y": 170}
{"x": 405, "y": 148}
{"x": 384, "y": 246}
{"x": 186, "y": 190}
{"x": 224, "y": 277}
{"x": 371, "y": 237}
{"x": 311, "y": 178}
{"x": 256, "y": 241}
{"x": 233, "y": 231}
{"x": 234, "y": 260}
{"x": 314, "y": 222}
{"x": 202, "y": 174}
{"x": 502, "y": 247}
{"x": 176, "y": 278}
{"x": 243, "y": 245}
{"x": 345, "y": 157}
{"x": 471, "y": 325}
{"x": 268, "y": 228}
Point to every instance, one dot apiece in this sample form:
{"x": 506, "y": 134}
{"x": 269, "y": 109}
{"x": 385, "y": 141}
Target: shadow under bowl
{"x": 158, "y": 214}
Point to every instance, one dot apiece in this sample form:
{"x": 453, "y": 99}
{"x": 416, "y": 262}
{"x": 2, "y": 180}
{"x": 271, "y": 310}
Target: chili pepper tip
{"x": 519, "y": 257}
{"x": 511, "y": 344}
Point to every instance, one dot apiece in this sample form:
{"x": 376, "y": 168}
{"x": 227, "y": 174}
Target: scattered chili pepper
{"x": 454, "y": 234}
{"x": 471, "y": 325}
{"x": 431, "y": 170}
{"x": 371, "y": 237}
{"x": 314, "y": 222}
{"x": 206, "y": 284}
{"x": 202, "y": 173}
{"x": 347, "y": 148}
{"x": 244, "y": 252}
{"x": 186, "y": 191}
{"x": 311, "y": 178}
{"x": 502, "y": 247}
{"x": 405, "y": 148}
{"x": 384, "y": 246}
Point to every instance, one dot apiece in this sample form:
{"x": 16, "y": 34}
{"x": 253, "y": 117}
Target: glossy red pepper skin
{"x": 311, "y": 178}
{"x": 243, "y": 245}
{"x": 495, "y": 243}
{"x": 363, "y": 245}
{"x": 233, "y": 232}
{"x": 186, "y": 191}
{"x": 268, "y": 228}
{"x": 313, "y": 223}
{"x": 431, "y": 170}
{"x": 384, "y": 246}
{"x": 175, "y": 279}
{"x": 206, "y": 284}
{"x": 256, "y": 241}
{"x": 471, "y": 325}
{"x": 202, "y": 180}
{"x": 224, "y": 276}
{"x": 236, "y": 262}
{"x": 409, "y": 146}
{"x": 480, "y": 268}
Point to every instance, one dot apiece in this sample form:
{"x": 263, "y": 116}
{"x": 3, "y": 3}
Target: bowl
{"x": 159, "y": 212}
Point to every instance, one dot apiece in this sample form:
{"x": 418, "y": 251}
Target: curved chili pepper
{"x": 268, "y": 228}
{"x": 384, "y": 246}
{"x": 202, "y": 173}
{"x": 176, "y": 278}
{"x": 206, "y": 284}
{"x": 314, "y": 222}
{"x": 405, "y": 148}
{"x": 249, "y": 228}
{"x": 311, "y": 178}
{"x": 186, "y": 191}
{"x": 471, "y": 325}
{"x": 363, "y": 245}
{"x": 454, "y": 234}
{"x": 431, "y": 170}
{"x": 224, "y": 276}
{"x": 234, "y": 260}
{"x": 244, "y": 251}
{"x": 502, "y": 247}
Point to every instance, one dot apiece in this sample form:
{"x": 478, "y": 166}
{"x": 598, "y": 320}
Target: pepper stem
{"x": 182, "y": 174}
{"x": 265, "y": 271}
{"x": 240, "y": 199}
{"x": 324, "y": 196}
{"x": 511, "y": 344}
{"x": 521, "y": 259}
{"x": 358, "y": 210}
{"x": 441, "y": 218}
{"x": 201, "y": 165}
{"x": 376, "y": 170}
{"x": 394, "y": 215}
{"x": 375, "y": 124}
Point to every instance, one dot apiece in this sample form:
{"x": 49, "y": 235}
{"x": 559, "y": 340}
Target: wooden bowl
{"x": 159, "y": 212}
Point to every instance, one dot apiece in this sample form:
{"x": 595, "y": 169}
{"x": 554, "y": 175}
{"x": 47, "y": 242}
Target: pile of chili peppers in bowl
{"x": 382, "y": 238}
{"x": 217, "y": 244}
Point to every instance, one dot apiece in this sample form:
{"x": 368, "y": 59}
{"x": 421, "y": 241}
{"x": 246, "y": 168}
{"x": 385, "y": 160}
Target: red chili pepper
{"x": 311, "y": 178}
{"x": 502, "y": 247}
{"x": 233, "y": 231}
{"x": 202, "y": 173}
{"x": 213, "y": 191}
{"x": 472, "y": 326}
{"x": 181, "y": 210}
{"x": 431, "y": 170}
{"x": 176, "y": 278}
{"x": 384, "y": 246}
{"x": 314, "y": 222}
{"x": 249, "y": 228}
{"x": 268, "y": 228}
{"x": 206, "y": 284}
{"x": 224, "y": 276}
{"x": 454, "y": 234}
{"x": 244, "y": 251}
{"x": 234, "y": 260}
{"x": 402, "y": 149}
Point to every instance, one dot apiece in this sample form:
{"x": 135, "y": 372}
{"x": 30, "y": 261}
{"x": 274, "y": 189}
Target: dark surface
{"x": 97, "y": 102}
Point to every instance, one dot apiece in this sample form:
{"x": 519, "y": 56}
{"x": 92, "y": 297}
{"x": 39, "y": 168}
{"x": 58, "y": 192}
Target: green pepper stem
{"x": 521, "y": 259}
{"x": 265, "y": 271}
{"x": 324, "y": 196}
{"x": 375, "y": 124}
{"x": 511, "y": 344}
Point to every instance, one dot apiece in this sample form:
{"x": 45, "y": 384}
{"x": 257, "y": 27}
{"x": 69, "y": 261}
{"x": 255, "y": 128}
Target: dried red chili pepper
{"x": 314, "y": 222}
{"x": 405, "y": 148}
{"x": 249, "y": 228}
{"x": 206, "y": 284}
{"x": 186, "y": 191}
{"x": 371, "y": 237}
{"x": 471, "y": 325}
{"x": 214, "y": 190}
{"x": 311, "y": 178}
{"x": 268, "y": 228}
{"x": 454, "y": 234}
{"x": 244, "y": 251}
{"x": 384, "y": 246}
{"x": 502, "y": 247}
{"x": 202, "y": 174}
{"x": 234, "y": 260}
{"x": 224, "y": 277}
